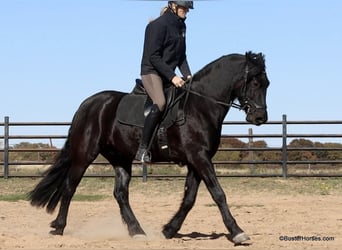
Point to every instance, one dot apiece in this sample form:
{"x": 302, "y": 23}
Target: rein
{"x": 226, "y": 104}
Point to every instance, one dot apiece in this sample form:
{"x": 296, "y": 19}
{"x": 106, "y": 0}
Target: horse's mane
{"x": 206, "y": 69}
{"x": 257, "y": 60}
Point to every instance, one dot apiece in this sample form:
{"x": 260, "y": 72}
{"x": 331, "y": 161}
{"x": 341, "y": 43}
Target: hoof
{"x": 168, "y": 232}
{"x": 139, "y": 237}
{"x": 56, "y": 232}
{"x": 240, "y": 238}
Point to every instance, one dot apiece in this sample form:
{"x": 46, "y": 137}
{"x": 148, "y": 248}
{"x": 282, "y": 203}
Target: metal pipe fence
{"x": 249, "y": 166}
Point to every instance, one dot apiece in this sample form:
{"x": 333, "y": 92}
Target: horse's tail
{"x": 49, "y": 190}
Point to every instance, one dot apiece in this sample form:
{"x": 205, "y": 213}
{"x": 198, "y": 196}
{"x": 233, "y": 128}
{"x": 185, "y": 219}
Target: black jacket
{"x": 164, "y": 47}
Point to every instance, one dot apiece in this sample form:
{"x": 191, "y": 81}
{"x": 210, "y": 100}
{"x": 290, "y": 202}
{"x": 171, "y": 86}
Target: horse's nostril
{"x": 260, "y": 120}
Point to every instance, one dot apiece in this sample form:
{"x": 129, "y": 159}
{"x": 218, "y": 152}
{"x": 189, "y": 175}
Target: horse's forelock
{"x": 256, "y": 59}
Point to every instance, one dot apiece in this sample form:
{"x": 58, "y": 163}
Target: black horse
{"x": 95, "y": 130}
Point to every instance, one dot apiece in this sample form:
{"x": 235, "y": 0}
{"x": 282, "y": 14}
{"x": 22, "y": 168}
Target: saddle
{"x": 134, "y": 106}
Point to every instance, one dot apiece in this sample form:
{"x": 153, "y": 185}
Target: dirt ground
{"x": 284, "y": 221}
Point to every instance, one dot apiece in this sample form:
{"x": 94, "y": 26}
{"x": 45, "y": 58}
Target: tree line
{"x": 305, "y": 152}
{"x": 239, "y": 155}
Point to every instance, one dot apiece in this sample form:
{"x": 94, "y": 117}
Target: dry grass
{"x": 175, "y": 170}
{"x": 93, "y": 189}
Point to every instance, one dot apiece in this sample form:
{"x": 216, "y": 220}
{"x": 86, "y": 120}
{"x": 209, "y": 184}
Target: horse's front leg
{"x": 121, "y": 194}
{"x": 208, "y": 175}
{"x": 190, "y": 193}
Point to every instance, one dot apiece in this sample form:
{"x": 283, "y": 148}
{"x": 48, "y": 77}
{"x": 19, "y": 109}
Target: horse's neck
{"x": 210, "y": 99}
{"x": 216, "y": 85}
{"x": 218, "y": 78}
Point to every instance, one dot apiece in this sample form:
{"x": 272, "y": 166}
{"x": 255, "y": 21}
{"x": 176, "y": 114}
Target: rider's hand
{"x": 178, "y": 81}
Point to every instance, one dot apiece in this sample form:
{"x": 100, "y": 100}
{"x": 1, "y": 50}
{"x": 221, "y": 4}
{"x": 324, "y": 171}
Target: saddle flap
{"x": 131, "y": 110}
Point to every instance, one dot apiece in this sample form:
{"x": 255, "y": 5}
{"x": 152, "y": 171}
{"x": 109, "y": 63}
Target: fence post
{"x": 284, "y": 147}
{"x": 250, "y": 146}
{"x": 144, "y": 172}
{"x": 6, "y": 147}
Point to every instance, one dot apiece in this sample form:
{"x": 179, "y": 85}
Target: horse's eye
{"x": 255, "y": 84}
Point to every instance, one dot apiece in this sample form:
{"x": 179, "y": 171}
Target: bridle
{"x": 248, "y": 104}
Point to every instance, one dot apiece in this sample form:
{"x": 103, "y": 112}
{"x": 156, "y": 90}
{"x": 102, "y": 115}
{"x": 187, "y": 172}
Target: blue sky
{"x": 55, "y": 53}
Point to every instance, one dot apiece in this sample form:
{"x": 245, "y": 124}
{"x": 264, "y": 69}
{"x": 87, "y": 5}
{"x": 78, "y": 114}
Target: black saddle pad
{"x": 131, "y": 111}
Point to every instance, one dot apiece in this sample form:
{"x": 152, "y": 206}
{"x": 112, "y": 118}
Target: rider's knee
{"x": 161, "y": 105}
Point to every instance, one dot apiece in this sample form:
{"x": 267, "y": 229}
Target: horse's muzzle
{"x": 256, "y": 116}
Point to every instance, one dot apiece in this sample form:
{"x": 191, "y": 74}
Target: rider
{"x": 164, "y": 50}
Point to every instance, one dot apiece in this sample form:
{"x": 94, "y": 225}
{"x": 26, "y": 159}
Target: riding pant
{"x": 153, "y": 85}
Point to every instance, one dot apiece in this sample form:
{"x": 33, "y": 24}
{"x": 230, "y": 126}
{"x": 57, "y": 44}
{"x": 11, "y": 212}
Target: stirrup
{"x": 146, "y": 157}
{"x": 143, "y": 155}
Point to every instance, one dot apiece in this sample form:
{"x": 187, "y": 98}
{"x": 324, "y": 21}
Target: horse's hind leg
{"x": 121, "y": 194}
{"x": 73, "y": 179}
{"x": 190, "y": 193}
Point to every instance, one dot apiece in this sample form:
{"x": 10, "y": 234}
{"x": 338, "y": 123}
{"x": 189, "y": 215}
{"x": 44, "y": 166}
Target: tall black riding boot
{"x": 151, "y": 121}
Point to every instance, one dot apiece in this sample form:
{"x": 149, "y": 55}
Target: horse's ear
{"x": 248, "y": 55}
{"x": 257, "y": 59}
{"x": 261, "y": 56}
{"x": 253, "y": 57}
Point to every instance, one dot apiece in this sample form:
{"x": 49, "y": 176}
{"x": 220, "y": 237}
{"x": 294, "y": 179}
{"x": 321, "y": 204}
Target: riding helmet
{"x": 185, "y": 4}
